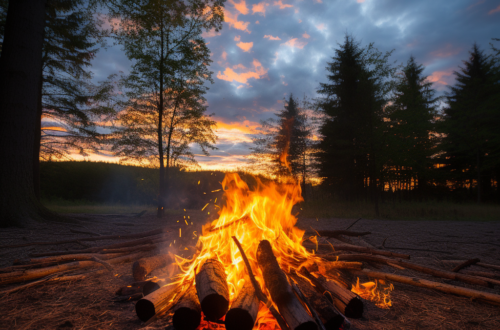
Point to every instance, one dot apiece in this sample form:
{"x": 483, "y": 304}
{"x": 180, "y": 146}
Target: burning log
{"x": 187, "y": 312}
{"x": 243, "y": 312}
{"x": 154, "y": 302}
{"x": 346, "y": 301}
{"x": 212, "y": 289}
{"x": 328, "y": 315}
{"x": 277, "y": 284}
{"x": 142, "y": 267}
{"x": 327, "y": 266}
{"x": 447, "y": 288}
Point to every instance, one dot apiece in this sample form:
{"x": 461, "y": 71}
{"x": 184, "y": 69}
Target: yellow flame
{"x": 377, "y": 291}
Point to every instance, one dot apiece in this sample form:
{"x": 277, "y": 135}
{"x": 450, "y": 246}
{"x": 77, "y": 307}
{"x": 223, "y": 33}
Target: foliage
{"x": 352, "y": 132}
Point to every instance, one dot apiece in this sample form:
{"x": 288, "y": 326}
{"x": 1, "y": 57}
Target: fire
{"x": 378, "y": 292}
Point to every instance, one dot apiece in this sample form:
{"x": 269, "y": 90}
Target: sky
{"x": 267, "y": 50}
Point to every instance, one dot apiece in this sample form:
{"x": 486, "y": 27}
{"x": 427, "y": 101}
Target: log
{"x": 280, "y": 290}
{"x": 480, "y": 273}
{"x": 148, "y": 306}
{"x": 336, "y": 233}
{"x": 327, "y": 266}
{"x": 48, "y": 279}
{"x": 151, "y": 286}
{"x": 243, "y": 312}
{"x": 424, "y": 269}
{"x": 328, "y": 315}
{"x": 362, "y": 249}
{"x": 145, "y": 247}
{"x": 187, "y": 312}
{"x": 138, "y": 235}
{"x": 465, "y": 264}
{"x": 258, "y": 291}
{"x": 480, "y": 264}
{"x": 136, "y": 287}
{"x": 212, "y": 289}
{"x": 142, "y": 267}
{"x": 446, "y": 288}
{"x": 346, "y": 301}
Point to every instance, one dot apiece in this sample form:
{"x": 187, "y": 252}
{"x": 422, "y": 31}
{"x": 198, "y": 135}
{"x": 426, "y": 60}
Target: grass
{"x": 317, "y": 208}
{"x": 82, "y": 206}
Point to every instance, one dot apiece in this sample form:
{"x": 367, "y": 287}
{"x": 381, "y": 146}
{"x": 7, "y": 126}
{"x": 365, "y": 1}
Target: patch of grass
{"x": 318, "y": 208}
{"x": 82, "y": 206}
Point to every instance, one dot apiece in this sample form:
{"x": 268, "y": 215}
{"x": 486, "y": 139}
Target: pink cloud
{"x": 270, "y": 37}
{"x": 246, "y": 46}
{"x": 241, "y": 6}
{"x": 360, "y": 1}
{"x": 295, "y": 43}
{"x": 319, "y": 1}
{"x": 260, "y": 8}
{"x": 232, "y": 20}
{"x": 441, "y": 77}
{"x": 306, "y": 36}
{"x": 257, "y": 72}
{"x": 210, "y": 34}
{"x": 257, "y": 22}
{"x": 321, "y": 26}
{"x": 281, "y": 4}
{"x": 496, "y": 10}
{"x": 224, "y": 55}
{"x": 237, "y": 38}
{"x": 447, "y": 51}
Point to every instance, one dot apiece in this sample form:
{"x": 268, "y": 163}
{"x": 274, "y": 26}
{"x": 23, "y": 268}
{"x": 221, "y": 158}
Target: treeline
{"x": 380, "y": 132}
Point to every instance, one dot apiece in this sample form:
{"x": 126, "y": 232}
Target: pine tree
{"x": 165, "y": 87}
{"x": 471, "y": 121}
{"x": 411, "y": 139}
{"x": 351, "y": 135}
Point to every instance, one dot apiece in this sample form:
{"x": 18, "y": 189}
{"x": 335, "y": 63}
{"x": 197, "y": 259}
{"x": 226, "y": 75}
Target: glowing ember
{"x": 378, "y": 292}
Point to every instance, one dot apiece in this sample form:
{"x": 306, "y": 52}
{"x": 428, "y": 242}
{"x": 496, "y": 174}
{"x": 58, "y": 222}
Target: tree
{"x": 411, "y": 139}
{"x": 353, "y": 103}
{"x": 20, "y": 74}
{"x": 471, "y": 121}
{"x": 165, "y": 87}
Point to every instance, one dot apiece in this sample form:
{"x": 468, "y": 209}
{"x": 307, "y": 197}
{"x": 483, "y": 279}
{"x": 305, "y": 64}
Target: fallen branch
{"x": 465, "y": 264}
{"x": 447, "y": 288}
{"x": 258, "y": 291}
{"x": 336, "y": 233}
{"x": 51, "y": 278}
{"x": 362, "y": 249}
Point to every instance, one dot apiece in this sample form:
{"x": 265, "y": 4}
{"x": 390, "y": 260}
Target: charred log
{"x": 187, "y": 312}
{"x": 243, "y": 311}
{"x": 154, "y": 302}
{"x": 212, "y": 289}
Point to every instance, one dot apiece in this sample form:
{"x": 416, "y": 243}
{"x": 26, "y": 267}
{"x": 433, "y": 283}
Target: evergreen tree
{"x": 351, "y": 135}
{"x": 165, "y": 88}
{"x": 471, "y": 122}
{"x": 411, "y": 138}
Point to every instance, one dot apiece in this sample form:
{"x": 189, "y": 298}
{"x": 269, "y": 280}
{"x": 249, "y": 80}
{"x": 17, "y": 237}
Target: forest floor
{"x": 88, "y": 304}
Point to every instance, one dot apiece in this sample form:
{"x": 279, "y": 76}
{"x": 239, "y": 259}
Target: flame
{"x": 378, "y": 292}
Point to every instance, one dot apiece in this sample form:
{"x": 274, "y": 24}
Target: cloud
{"x": 447, "y": 51}
{"x": 232, "y": 20}
{"x": 257, "y": 22}
{"x": 224, "y": 55}
{"x": 241, "y": 6}
{"x": 281, "y": 4}
{"x": 270, "y": 37}
{"x": 441, "y": 77}
{"x": 321, "y": 26}
{"x": 210, "y": 34}
{"x": 237, "y": 38}
{"x": 260, "y": 8}
{"x": 360, "y": 1}
{"x": 245, "y": 126}
{"x": 496, "y": 10}
{"x": 246, "y": 46}
{"x": 295, "y": 43}
{"x": 319, "y": 1}
{"x": 230, "y": 75}
{"x": 306, "y": 36}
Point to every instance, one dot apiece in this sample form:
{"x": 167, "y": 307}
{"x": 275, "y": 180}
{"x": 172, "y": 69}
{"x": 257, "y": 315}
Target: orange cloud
{"x": 237, "y": 38}
{"x": 224, "y": 55}
{"x": 270, "y": 37}
{"x": 496, "y": 10}
{"x": 230, "y": 75}
{"x": 295, "y": 43}
{"x": 282, "y": 6}
{"x": 446, "y": 51}
{"x": 232, "y": 20}
{"x": 439, "y": 77}
{"x": 306, "y": 36}
{"x": 241, "y": 7}
{"x": 246, "y": 46}
{"x": 260, "y": 8}
{"x": 257, "y": 22}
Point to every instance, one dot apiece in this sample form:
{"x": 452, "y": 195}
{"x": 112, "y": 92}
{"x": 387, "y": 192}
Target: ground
{"x": 88, "y": 304}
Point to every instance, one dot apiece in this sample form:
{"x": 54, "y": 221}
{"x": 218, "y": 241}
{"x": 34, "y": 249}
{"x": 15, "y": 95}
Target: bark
{"x": 346, "y": 301}
{"x": 161, "y": 196}
{"x": 154, "y": 302}
{"x": 141, "y": 268}
{"x": 465, "y": 264}
{"x": 328, "y": 315}
{"x": 447, "y": 288}
{"x": 243, "y": 312}
{"x": 420, "y": 268}
{"x": 187, "y": 312}
{"x": 20, "y": 73}
{"x": 212, "y": 289}
{"x": 280, "y": 290}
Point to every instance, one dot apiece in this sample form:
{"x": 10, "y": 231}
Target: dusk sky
{"x": 269, "y": 49}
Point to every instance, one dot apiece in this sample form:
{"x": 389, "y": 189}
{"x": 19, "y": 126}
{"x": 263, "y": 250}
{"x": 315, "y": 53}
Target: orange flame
{"x": 378, "y": 292}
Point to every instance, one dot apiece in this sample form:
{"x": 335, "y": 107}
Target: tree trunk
{"x": 161, "y": 195}
{"x": 20, "y": 70}
{"x": 37, "y": 141}
{"x": 478, "y": 178}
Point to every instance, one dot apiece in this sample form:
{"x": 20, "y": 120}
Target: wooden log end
{"x": 141, "y": 268}
{"x": 214, "y": 306}
{"x": 145, "y": 309}
{"x": 354, "y": 309}
{"x": 239, "y": 319}
{"x": 187, "y": 312}
{"x": 212, "y": 289}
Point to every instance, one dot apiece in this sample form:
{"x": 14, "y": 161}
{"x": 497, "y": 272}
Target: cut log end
{"x": 141, "y": 268}
{"x": 239, "y": 319}
{"x": 145, "y": 309}
{"x": 212, "y": 289}
{"x": 244, "y": 309}
{"x": 354, "y": 308}
{"x": 214, "y": 306}
{"x": 186, "y": 319}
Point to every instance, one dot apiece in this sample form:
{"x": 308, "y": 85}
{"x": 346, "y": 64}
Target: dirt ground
{"x": 88, "y": 304}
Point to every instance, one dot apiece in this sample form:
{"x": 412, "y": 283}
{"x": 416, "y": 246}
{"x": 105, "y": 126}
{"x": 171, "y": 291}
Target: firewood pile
{"x": 316, "y": 295}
